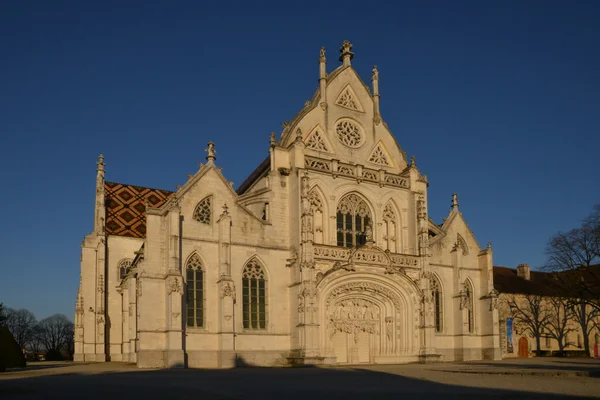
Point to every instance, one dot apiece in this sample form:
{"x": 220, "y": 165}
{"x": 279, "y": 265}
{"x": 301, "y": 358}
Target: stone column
{"x": 227, "y": 297}
{"x": 78, "y": 354}
{"x": 125, "y": 321}
{"x": 100, "y": 352}
{"x": 308, "y": 311}
{"x": 174, "y": 354}
{"x": 427, "y": 351}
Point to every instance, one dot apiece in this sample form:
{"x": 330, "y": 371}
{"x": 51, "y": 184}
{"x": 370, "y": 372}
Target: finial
{"x": 100, "y": 163}
{"x": 273, "y": 141}
{"x": 375, "y": 74}
{"x": 455, "y": 201}
{"x": 211, "y": 152}
{"x": 298, "y": 135}
{"x": 200, "y": 165}
{"x": 189, "y": 176}
{"x": 178, "y": 187}
{"x": 346, "y": 52}
{"x": 322, "y": 54}
{"x": 489, "y": 245}
{"x": 413, "y": 161}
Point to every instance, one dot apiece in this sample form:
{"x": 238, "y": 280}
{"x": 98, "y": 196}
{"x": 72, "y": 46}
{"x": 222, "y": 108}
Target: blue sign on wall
{"x": 509, "y": 341}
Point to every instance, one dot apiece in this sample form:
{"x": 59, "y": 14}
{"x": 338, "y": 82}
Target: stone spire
{"x": 323, "y": 77}
{"x": 100, "y": 211}
{"x": 454, "y": 201}
{"x": 210, "y": 150}
{"x": 375, "y": 81}
{"x": 346, "y": 53}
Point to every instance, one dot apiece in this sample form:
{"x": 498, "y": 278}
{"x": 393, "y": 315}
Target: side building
{"x": 542, "y": 307}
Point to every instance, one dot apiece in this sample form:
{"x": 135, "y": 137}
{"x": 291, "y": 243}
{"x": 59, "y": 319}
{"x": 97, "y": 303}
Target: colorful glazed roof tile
{"x": 126, "y": 208}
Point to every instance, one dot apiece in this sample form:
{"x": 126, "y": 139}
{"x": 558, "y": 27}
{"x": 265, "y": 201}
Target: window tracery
{"x": 436, "y": 292}
{"x": 316, "y": 142}
{"x": 254, "y": 298}
{"x": 195, "y": 292}
{"x": 349, "y": 133}
{"x": 346, "y": 99}
{"x": 203, "y": 211}
{"x": 378, "y": 156}
{"x": 353, "y": 217}
{"x": 124, "y": 267}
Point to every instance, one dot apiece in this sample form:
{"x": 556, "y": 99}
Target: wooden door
{"x": 523, "y": 347}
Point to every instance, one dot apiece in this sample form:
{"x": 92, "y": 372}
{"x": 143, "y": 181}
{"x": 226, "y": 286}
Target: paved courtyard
{"x": 531, "y": 378}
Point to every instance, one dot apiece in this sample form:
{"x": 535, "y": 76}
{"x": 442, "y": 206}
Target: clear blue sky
{"x": 498, "y": 100}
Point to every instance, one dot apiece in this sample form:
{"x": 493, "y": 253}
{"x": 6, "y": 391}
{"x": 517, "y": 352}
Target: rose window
{"x": 349, "y": 133}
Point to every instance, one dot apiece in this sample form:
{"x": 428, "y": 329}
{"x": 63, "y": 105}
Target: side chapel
{"x": 324, "y": 255}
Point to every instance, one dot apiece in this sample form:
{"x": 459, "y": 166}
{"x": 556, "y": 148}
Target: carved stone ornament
{"x": 100, "y": 319}
{"x": 175, "y": 315}
{"x": 227, "y": 290}
{"x": 173, "y": 285}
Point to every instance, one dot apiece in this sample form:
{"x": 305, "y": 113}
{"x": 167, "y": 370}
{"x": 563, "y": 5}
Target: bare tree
{"x": 55, "y": 333}
{"x": 586, "y": 316}
{"x": 575, "y": 253}
{"x": 2, "y": 315}
{"x": 21, "y": 324}
{"x": 530, "y": 314}
{"x": 560, "y": 316}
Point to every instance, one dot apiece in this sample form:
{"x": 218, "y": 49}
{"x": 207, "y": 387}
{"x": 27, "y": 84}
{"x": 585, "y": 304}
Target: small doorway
{"x": 523, "y": 347}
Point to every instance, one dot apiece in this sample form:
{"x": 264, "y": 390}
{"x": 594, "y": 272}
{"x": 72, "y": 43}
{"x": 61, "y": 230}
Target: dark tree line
{"x": 52, "y": 336}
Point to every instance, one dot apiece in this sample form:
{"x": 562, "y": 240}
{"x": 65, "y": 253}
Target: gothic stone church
{"x": 324, "y": 255}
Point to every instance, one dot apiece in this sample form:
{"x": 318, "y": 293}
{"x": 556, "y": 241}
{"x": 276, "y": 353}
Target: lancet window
{"x": 195, "y": 292}
{"x": 390, "y": 231}
{"x": 254, "y": 296}
{"x": 124, "y": 267}
{"x": 436, "y": 292}
{"x": 353, "y": 217}
{"x": 469, "y": 304}
{"x": 203, "y": 211}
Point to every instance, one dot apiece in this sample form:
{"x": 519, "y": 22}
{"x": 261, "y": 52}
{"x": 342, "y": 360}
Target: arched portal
{"x": 368, "y": 317}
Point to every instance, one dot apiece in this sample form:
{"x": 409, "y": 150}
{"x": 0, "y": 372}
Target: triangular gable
{"x": 348, "y": 99}
{"x": 379, "y": 155}
{"x": 316, "y": 140}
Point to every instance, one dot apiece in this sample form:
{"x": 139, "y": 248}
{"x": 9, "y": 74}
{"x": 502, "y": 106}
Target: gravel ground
{"x": 528, "y": 379}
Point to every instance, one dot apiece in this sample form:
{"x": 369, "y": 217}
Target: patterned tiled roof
{"x": 126, "y": 208}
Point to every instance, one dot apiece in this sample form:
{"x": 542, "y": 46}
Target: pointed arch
{"x": 194, "y": 280}
{"x": 254, "y": 295}
{"x": 353, "y": 216}
{"x": 203, "y": 211}
{"x": 461, "y": 243}
{"x": 348, "y": 99}
{"x": 317, "y": 206}
{"x": 391, "y": 219}
{"x": 438, "y": 302}
{"x": 380, "y": 156}
{"x": 123, "y": 267}
{"x": 317, "y": 140}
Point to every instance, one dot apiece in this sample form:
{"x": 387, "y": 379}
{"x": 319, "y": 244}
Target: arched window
{"x": 203, "y": 211}
{"x": 469, "y": 303}
{"x": 353, "y": 216}
{"x": 254, "y": 296}
{"x": 316, "y": 206}
{"x": 436, "y": 292}
{"x": 195, "y": 292}
{"x": 124, "y": 267}
{"x": 389, "y": 222}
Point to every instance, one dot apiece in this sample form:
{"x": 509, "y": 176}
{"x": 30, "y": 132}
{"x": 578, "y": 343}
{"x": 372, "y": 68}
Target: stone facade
{"x": 325, "y": 254}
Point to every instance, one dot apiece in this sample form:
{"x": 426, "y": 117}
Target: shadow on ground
{"x": 112, "y": 381}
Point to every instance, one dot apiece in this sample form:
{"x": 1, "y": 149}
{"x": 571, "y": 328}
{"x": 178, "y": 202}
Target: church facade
{"x": 324, "y": 255}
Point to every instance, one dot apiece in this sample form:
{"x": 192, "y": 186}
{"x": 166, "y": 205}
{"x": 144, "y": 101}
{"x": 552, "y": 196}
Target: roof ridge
{"x": 140, "y": 186}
